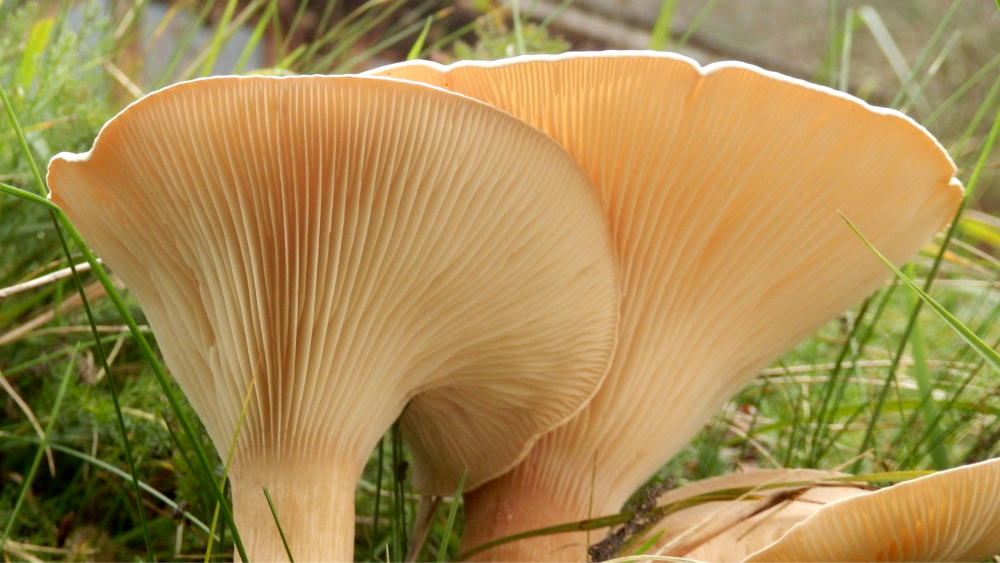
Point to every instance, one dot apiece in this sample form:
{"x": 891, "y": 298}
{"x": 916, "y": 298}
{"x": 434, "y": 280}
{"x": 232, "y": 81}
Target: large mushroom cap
{"x": 349, "y": 242}
{"x": 952, "y": 515}
{"x": 724, "y": 187}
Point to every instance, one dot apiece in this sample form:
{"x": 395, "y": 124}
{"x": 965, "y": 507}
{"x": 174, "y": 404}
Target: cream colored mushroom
{"x": 729, "y": 530}
{"x": 952, "y": 515}
{"x": 811, "y": 515}
{"x": 346, "y": 243}
{"x": 723, "y": 186}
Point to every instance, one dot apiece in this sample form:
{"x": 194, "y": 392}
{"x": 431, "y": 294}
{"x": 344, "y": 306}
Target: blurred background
{"x": 934, "y": 59}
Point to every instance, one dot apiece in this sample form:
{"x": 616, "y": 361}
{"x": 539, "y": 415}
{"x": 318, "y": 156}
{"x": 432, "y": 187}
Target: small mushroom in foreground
{"x": 724, "y": 187}
{"x": 729, "y": 530}
{"x": 952, "y": 515}
{"x": 806, "y": 515}
{"x": 345, "y": 243}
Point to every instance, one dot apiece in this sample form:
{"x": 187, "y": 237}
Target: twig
{"x": 93, "y": 291}
{"x": 44, "y": 280}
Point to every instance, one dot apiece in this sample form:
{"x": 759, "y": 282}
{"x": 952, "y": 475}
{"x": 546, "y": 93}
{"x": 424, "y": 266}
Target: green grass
{"x": 890, "y": 386}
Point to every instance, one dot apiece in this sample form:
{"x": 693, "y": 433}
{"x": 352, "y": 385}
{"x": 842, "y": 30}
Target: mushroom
{"x": 812, "y": 515}
{"x": 724, "y": 187}
{"x": 772, "y": 501}
{"x": 952, "y": 515}
{"x": 332, "y": 246}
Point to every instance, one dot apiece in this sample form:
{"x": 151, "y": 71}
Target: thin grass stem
{"x": 969, "y": 191}
{"x": 987, "y": 353}
{"x": 218, "y": 38}
{"x": 418, "y": 45}
{"x": 450, "y": 523}
{"x": 696, "y": 23}
{"x": 659, "y": 38}
{"x": 229, "y": 457}
{"x": 255, "y": 36}
{"x": 925, "y": 52}
{"x": 922, "y": 374}
{"x": 845, "y": 51}
{"x": 147, "y": 354}
{"x": 277, "y": 522}
{"x": 378, "y": 495}
{"x": 39, "y": 454}
{"x": 90, "y": 318}
{"x": 518, "y": 29}
{"x": 398, "y": 498}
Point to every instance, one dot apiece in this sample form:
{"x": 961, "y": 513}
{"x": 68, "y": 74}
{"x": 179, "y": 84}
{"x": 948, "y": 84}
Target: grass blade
{"x": 892, "y": 53}
{"x": 170, "y": 503}
{"x": 293, "y": 26}
{"x": 423, "y": 521}
{"x": 38, "y": 39}
{"x": 59, "y": 218}
{"x": 398, "y": 495}
{"x": 845, "y": 50}
{"x": 642, "y": 549}
{"x": 949, "y": 235}
{"x": 922, "y": 375}
{"x": 193, "y": 468}
{"x": 696, "y": 23}
{"x": 24, "y": 143}
{"x": 37, "y": 461}
{"x": 181, "y": 48}
{"x": 984, "y": 154}
{"x": 26, "y": 195}
{"x": 277, "y": 522}
{"x": 518, "y": 32}
{"x": 349, "y": 31}
{"x": 114, "y": 398}
{"x": 256, "y": 36}
{"x": 378, "y": 496}
{"x": 376, "y": 48}
{"x": 833, "y": 45}
{"x": 335, "y": 34}
{"x": 968, "y": 335}
{"x": 834, "y": 389}
{"x": 29, "y": 414}
{"x": 446, "y": 536}
{"x": 451, "y": 37}
{"x": 962, "y": 90}
{"x": 229, "y": 460}
{"x": 660, "y": 36}
{"x": 218, "y": 39}
{"x": 147, "y": 353}
{"x": 582, "y": 525}
{"x": 418, "y": 45}
{"x": 926, "y": 50}
{"x": 984, "y": 107}
{"x": 90, "y": 318}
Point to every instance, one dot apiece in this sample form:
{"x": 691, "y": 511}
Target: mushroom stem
{"x": 314, "y": 504}
{"x": 497, "y": 510}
